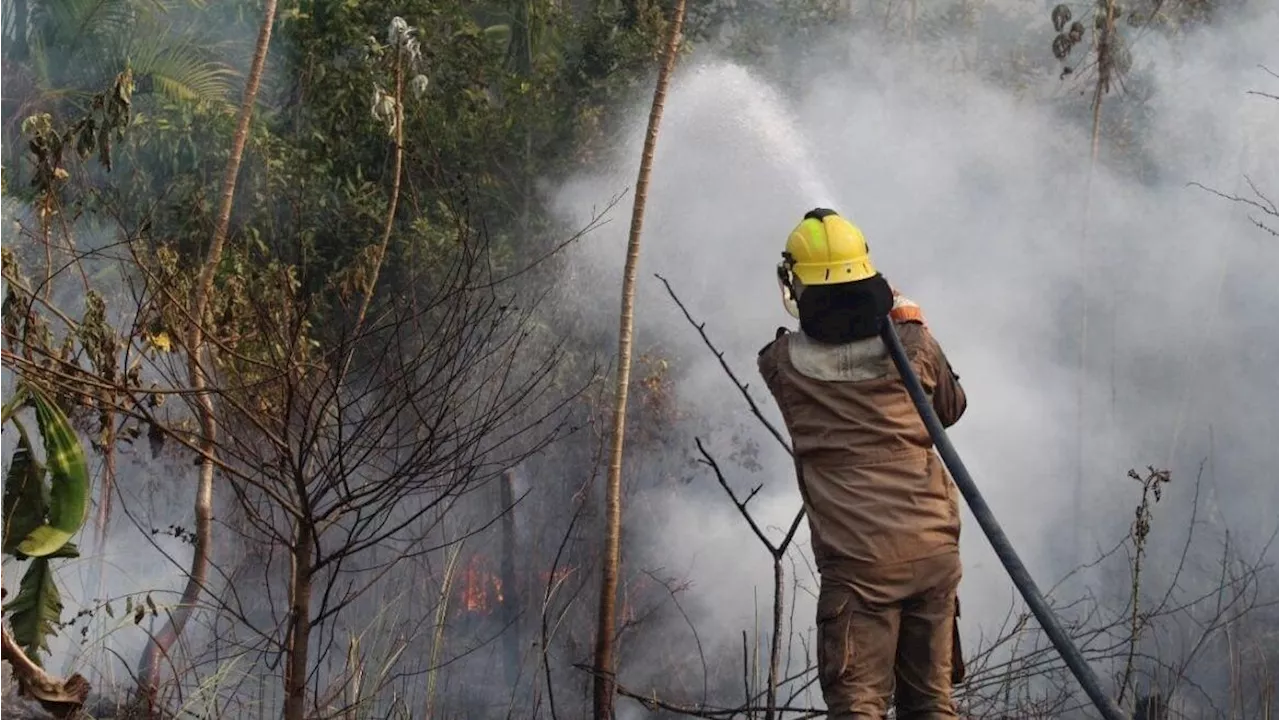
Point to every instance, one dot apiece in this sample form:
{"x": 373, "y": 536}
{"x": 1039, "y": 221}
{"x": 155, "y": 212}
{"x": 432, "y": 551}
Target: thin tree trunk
{"x": 520, "y": 60}
{"x": 775, "y": 649}
{"x": 20, "y": 49}
{"x": 380, "y": 253}
{"x": 149, "y": 667}
{"x": 911, "y": 28}
{"x": 108, "y": 487}
{"x": 604, "y": 650}
{"x": 105, "y": 497}
{"x": 1105, "y": 69}
{"x": 295, "y": 679}
{"x": 1101, "y": 87}
{"x": 510, "y": 595}
{"x": 520, "y": 50}
{"x": 389, "y": 223}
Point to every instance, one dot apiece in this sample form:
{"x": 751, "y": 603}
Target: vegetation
{"x": 44, "y": 506}
{"x": 289, "y": 269}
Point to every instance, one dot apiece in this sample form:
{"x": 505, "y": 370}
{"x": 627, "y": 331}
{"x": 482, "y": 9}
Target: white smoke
{"x": 971, "y": 195}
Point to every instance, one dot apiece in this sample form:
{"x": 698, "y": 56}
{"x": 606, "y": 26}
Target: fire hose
{"x": 995, "y": 534}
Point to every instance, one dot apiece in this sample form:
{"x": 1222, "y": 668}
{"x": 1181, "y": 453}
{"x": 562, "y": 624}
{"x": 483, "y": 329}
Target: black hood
{"x": 842, "y": 313}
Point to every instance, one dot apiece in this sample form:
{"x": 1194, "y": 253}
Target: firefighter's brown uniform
{"x": 883, "y": 515}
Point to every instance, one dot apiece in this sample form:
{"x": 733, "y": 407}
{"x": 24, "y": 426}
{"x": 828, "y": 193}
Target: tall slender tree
{"x": 198, "y": 377}
{"x": 605, "y": 639}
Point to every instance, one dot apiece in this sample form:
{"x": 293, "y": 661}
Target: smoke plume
{"x": 971, "y": 190}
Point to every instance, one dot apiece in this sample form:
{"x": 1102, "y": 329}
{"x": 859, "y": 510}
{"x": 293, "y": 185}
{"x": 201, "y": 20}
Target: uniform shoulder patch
{"x": 906, "y": 311}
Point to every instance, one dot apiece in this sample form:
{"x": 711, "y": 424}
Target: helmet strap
{"x": 786, "y": 283}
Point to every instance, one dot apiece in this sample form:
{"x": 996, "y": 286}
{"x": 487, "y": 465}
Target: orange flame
{"x": 480, "y": 588}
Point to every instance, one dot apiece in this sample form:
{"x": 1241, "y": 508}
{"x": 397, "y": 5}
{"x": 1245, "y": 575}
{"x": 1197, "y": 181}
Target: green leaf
{"x": 68, "y": 551}
{"x": 499, "y": 34}
{"x": 20, "y": 395}
{"x": 24, "y": 506}
{"x": 69, "y": 475}
{"x": 177, "y": 67}
{"x": 37, "y": 609}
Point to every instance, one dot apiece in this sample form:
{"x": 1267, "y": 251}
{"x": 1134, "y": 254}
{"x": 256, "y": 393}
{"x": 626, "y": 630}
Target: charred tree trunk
{"x": 510, "y": 594}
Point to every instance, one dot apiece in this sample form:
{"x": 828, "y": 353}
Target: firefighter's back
{"x": 874, "y": 491}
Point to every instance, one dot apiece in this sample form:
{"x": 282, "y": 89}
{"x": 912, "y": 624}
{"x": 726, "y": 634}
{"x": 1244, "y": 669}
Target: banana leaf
{"x": 24, "y": 501}
{"x": 69, "y": 475}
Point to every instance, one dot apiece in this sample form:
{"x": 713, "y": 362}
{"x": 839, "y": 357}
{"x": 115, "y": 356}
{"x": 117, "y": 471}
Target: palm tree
{"x": 59, "y": 53}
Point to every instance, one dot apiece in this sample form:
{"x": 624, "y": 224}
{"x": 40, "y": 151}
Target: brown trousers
{"x": 889, "y": 631}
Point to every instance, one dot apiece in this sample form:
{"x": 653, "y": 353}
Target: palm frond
{"x": 71, "y": 24}
{"x": 9, "y": 22}
{"x": 78, "y": 46}
{"x": 179, "y": 68}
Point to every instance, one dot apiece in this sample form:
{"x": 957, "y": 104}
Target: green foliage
{"x": 24, "y": 493}
{"x": 36, "y": 611}
{"x": 479, "y": 129}
{"x": 40, "y": 519}
{"x": 79, "y": 44}
{"x": 508, "y": 92}
{"x": 69, "y": 478}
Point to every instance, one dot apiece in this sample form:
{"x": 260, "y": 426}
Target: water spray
{"x": 995, "y": 534}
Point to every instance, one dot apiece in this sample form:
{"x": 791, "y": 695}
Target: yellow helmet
{"x": 824, "y": 249}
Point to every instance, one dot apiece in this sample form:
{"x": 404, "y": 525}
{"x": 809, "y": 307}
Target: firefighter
{"x": 883, "y": 512}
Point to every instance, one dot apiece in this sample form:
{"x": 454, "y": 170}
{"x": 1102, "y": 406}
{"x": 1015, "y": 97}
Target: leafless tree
{"x": 352, "y": 456}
